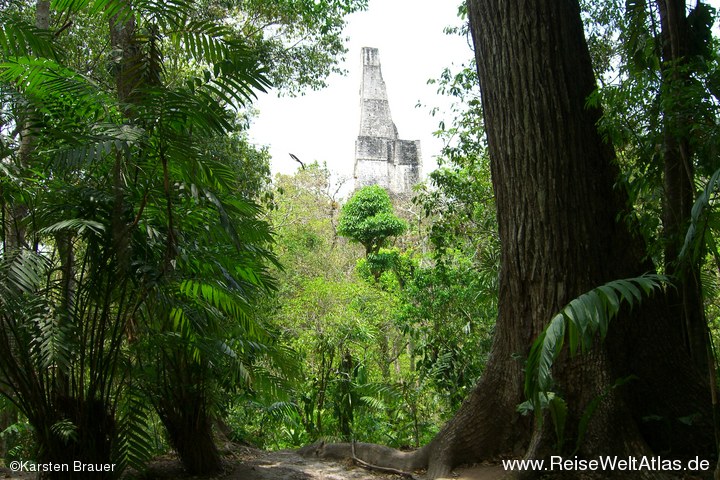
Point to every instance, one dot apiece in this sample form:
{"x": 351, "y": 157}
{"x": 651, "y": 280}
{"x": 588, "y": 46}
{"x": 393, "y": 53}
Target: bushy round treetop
{"x": 368, "y": 218}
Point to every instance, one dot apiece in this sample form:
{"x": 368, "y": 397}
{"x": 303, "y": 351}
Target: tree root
{"x": 370, "y": 456}
{"x": 377, "y": 468}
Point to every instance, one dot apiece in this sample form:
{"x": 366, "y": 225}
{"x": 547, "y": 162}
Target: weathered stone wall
{"x": 405, "y": 170}
{"x": 380, "y": 157}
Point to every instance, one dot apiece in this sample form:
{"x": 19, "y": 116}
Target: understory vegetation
{"x": 387, "y": 342}
{"x": 159, "y": 290}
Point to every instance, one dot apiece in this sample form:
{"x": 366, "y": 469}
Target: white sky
{"x": 323, "y": 125}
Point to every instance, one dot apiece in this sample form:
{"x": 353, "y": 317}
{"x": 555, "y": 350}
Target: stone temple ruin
{"x": 380, "y": 157}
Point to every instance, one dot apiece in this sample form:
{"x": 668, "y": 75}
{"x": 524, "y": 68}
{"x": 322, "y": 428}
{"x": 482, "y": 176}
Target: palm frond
{"x": 166, "y": 11}
{"x": 53, "y": 85}
{"x": 78, "y": 225}
{"x": 135, "y": 444}
{"x": 102, "y": 140}
{"x": 218, "y": 297}
{"x": 69, "y": 6}
{"x": 116, "y": 10}
{"x": 53, "y": 342}
{"x": 206, "y": 41}
{"x": 21, "y": 272}
{"x": 19, "y": 38}
{"x": 579, "y": 322}
{"x": 703, "y": 220}
{"x": 234, "y": 79}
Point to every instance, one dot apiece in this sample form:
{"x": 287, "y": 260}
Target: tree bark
{"x": 189, "y": 428}
{"x": 553, "y": 178}
{"x": 127, "y": 78}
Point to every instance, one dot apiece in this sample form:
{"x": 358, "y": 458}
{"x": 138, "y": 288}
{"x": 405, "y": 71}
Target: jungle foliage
{"x": 387, "y": 348}
{"x": 159, "y": 290}
{"x": 134, "y": 253}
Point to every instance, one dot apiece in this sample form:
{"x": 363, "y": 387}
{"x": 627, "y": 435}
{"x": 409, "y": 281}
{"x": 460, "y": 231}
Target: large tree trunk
{"x": 553, "y": 178}
{"x": 189, "y": 429}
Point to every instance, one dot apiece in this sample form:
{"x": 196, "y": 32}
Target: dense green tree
{"x": 368, "y": 218}
{"x": 447, "y": 314}
{"x": 299, "y": 42}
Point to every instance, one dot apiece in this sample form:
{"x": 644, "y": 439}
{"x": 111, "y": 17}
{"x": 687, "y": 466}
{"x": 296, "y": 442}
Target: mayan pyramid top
{"x": 375, "y": 118}
{"x": 380, "y": 157}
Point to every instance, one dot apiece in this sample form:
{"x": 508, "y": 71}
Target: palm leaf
{"x": 19, "y": 38}
{"x": 135, "y": 441}
{"x": 78, "y": 225}
{"x": 21, "y": 272}
{"x": 53, "y": 342}
{"x": 218, "y": 297}
{"x": 52, "y": 84}
{"x": 584, "y": 318}
{"x": 702, "y": 219}
{"x": 102, "y": 140}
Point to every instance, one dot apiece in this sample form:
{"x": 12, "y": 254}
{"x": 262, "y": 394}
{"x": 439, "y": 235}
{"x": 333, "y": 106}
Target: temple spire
{"x": 375, "y": 118}
{"x": 380, "y": 157}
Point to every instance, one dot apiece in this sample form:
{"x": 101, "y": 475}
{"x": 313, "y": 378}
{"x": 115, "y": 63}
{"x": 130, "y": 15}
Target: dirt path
{"x": 245, "y": 463}
{"x": 287, "y": 465}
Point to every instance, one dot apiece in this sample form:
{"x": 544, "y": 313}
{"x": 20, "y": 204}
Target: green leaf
{"x": 558, "y": 413}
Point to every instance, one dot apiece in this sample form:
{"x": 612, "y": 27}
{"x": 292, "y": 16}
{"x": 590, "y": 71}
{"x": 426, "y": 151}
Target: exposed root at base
{"x": 377, "y": 468}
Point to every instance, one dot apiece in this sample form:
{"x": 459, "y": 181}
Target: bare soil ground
{"x": 245, "y": 463}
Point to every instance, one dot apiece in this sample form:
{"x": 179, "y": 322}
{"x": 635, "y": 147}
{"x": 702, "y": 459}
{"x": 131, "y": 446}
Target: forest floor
{"x": 245, "y": 463}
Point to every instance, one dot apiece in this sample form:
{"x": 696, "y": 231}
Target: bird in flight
{"x": 297, "y": 160}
